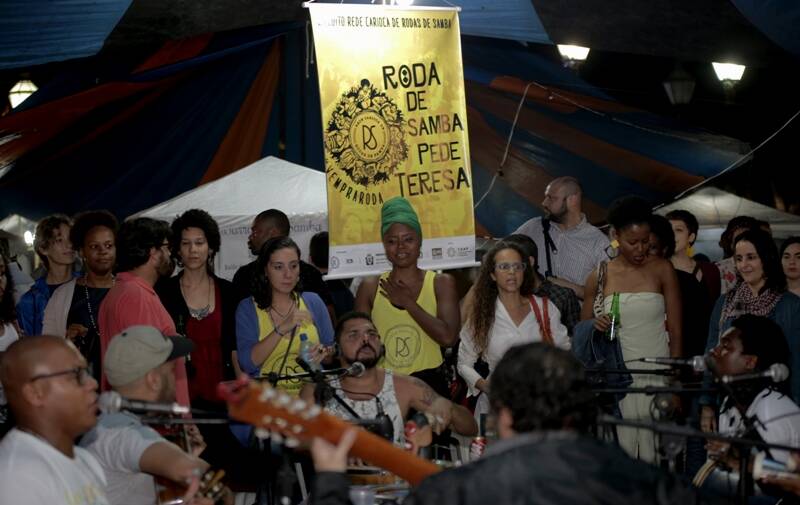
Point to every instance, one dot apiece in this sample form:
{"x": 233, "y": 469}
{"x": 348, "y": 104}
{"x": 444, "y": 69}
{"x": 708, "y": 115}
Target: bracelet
{"x": 277, "y": 331}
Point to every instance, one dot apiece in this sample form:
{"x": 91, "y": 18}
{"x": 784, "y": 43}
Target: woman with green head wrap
{"x": 415, "y": 311}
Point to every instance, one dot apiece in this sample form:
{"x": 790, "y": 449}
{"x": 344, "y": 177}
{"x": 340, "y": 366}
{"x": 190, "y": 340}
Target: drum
{"x": 714, "y": 479}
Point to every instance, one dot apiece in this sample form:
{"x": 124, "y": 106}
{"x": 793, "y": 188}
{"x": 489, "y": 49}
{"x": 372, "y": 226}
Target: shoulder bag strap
{"x": 597, "y": 304}
{"x": 544, "y": 321}
{"x": 548, "y": 245}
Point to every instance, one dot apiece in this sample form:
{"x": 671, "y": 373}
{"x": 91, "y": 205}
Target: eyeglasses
{"x": 81, "y": 374}
{"x": 510, "y": 267}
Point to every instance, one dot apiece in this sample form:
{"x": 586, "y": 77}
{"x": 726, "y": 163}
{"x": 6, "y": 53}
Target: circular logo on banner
{"x": 364, "y": 135}
{"x": 403, "y": 344}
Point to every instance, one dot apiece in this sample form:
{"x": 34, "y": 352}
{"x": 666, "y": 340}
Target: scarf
{"x": 741, "y": 300}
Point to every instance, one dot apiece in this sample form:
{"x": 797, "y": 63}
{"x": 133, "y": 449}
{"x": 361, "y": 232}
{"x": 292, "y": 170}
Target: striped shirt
{"x": 578, "y": 250}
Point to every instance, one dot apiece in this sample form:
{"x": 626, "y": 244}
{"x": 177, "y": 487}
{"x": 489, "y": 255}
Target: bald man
{"x": 54, "y": 400}
{"x": 575, "y": 247}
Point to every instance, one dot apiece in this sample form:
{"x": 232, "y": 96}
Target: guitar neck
{"x": 263, "y": 407}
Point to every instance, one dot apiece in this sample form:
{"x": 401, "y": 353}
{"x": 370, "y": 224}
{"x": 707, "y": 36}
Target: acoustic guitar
{"x": 291, "y": 419}
{"x": 211, "y": 487}
{"x": 169, "y": 492}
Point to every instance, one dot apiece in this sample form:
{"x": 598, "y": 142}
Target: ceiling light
{"x": 20, "y": 92}
{"x": 569, "y": 52}
{"x": 728, "y": 71}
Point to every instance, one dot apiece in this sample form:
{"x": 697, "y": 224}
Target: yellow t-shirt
{"x": 408, "y": 348}
{"x": 274, "y": 360}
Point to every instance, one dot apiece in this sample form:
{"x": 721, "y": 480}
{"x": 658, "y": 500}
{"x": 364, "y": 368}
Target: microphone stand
{"x": 653, "y": 390}
{"x": 637, "y": 371}
{"x": 745, "y": 479}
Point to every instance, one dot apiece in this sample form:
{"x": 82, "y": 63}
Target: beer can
{"x": 476, "y": 447}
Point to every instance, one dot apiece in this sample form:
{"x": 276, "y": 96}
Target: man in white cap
{"x": 140, "y": 365}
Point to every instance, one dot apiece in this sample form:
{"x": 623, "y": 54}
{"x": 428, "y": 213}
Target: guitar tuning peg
{"x": 267, "y": 394}
{"x": 282, "y": 400}
{"x": 277, "y": 438}
{"x": 312, "y": 412}
{"x": 292, "y": 442}
{"x": 297, "y": 405}
{"x": 281, "y": 423}
{"x": 267, "y": 419}
{"x": 262, "y": 433}
{"x": 297, "y": 429}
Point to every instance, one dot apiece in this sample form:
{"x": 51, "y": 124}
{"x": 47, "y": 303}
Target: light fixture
{"x": 729, "y": 75}
{"x": 679, "y": 86}
{"x": 28, "y": 237}
{"x": 728, "y": 71}
{"x": 20, "y": 92}
{"x": 571, "y": 55}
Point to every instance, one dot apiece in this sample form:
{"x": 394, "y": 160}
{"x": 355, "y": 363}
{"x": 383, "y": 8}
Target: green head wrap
{"x": 399, "y": 210}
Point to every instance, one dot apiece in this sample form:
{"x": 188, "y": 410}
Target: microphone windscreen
{"x": 357, "y": 369}
{"x": 779, "y": 372}
{"x": 109, "y": 402}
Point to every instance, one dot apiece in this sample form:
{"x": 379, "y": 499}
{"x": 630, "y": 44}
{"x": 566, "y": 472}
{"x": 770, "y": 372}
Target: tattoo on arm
{"x": 428, "y": 394}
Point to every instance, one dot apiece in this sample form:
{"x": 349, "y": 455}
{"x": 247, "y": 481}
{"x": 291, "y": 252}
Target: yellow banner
{"x": 394, "y": 123}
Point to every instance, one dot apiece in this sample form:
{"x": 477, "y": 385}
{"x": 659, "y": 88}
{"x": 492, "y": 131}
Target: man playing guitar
{"x": 139, "y": 364}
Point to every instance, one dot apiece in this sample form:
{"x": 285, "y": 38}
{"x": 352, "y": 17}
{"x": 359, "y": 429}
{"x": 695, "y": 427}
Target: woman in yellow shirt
{"x": 269, "y": 323}
{"x": 415, "y": 311}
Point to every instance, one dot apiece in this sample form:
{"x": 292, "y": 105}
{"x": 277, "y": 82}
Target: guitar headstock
{"x": 273, "y": 412}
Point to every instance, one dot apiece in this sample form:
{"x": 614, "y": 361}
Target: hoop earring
{"x": 615, "y": 244}
{"x": 690, "y": 251}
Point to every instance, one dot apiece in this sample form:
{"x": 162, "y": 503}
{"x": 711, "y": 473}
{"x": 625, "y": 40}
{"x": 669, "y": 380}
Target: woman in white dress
{"x": 648, "y": 294}
{"x": 505, "y": 313}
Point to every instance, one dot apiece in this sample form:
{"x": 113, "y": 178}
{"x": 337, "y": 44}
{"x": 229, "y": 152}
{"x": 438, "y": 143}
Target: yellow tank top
{"x": 408, "y": 348}
{"x": 274, "y": 360}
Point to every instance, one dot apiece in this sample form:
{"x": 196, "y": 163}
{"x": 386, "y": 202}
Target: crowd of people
{"x": 124, "y": 321}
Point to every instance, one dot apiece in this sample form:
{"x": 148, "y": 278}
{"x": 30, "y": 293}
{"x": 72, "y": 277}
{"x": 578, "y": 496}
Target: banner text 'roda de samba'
{"x": 394, "y": 122}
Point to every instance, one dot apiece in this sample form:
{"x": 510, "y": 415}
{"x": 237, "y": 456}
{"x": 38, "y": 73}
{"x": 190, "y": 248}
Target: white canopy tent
{"x": 714, "y": 207}
{"x": 234, "y": 200}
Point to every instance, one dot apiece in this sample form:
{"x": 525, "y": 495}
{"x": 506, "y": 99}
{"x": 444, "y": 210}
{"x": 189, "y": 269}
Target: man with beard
{"x": 139, "y": 364}
{"x": 143, "y": 255}
{"x": 269, "y": 224}
{"x": 544, "y": 413}
{"x": 54, "y": 400}
{"x": 378, "y": 390}
{"x": 569, "y": 247}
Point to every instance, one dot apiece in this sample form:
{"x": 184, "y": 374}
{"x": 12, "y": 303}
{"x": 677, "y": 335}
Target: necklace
{"x": 82, "y": 340}
{"x": 283, "y": 316}
{"x": 202, "y": 312}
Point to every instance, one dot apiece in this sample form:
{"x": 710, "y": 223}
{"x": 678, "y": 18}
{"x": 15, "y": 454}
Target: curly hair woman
{"x": 505, "y": 313}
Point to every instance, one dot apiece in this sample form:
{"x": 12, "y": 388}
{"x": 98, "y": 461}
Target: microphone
{"x": 110, "y": 402}
{"x": 357, "y": 369}
{"x": 385, "y": 426}
{"x": 778, "y": 372}
{"x": 698, "y": 363}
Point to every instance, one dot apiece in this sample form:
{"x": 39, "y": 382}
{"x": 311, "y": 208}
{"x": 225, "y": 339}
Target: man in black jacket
{"x": 269, "y": 224}
{"x": 544, "y": 408}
